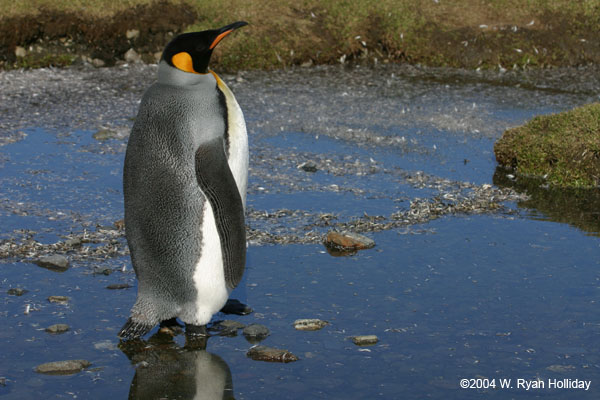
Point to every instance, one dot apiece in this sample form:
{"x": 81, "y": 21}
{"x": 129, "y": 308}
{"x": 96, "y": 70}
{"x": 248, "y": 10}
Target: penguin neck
{"x": 169, "y": 75}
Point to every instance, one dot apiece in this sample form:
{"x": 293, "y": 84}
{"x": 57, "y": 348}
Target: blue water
{"x": 497, "y": 296}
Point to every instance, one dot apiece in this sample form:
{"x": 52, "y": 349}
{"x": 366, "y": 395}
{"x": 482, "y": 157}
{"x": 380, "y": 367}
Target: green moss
{"x": 564, "y": 148}
{"x": 46, "y": 60}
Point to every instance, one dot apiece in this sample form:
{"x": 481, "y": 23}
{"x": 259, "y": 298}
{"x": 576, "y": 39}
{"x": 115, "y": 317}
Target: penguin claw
{"x": 134, "y": 330}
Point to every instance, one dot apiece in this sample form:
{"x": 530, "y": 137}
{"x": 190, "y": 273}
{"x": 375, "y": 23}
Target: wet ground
{"x": 469, "y": 277}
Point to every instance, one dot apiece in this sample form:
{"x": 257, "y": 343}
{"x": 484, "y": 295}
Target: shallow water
{"x": 499, "y": 295}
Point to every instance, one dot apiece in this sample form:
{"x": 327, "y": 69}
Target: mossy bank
{"x": 562, "y": 149}
{"x": 468, "y": 33}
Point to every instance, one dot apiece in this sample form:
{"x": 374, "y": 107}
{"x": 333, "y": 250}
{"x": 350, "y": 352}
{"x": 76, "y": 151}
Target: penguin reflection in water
{"x": 184, "y": 183}
{"x": 164, "y": 370}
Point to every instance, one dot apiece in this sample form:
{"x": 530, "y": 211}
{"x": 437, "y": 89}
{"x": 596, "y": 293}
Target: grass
{"x": 458, "y": 33}
{"x": 564, "y": 148}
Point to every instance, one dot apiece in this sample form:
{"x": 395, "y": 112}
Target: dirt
{"x": 56, "y": 37}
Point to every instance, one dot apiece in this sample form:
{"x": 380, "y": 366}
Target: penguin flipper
{"x": 218, "y": 185}
{"x": 134, "y": 330}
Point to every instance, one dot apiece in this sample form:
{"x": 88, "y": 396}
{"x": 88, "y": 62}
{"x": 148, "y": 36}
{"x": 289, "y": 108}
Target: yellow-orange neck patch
{"x": 183, "y": 61}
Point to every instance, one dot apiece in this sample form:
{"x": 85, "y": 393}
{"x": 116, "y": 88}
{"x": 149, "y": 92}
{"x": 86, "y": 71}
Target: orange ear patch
{"x": 183, "y": 61}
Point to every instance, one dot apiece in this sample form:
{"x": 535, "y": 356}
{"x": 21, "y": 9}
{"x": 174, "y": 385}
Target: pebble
{"x": 57, "y": 328}
{"x": 131, "y": 56}
{"x": 255, "y": 332}
{"x": 309, "y": 324}
{"x": 115, "y": 286}
{"x": 16, "y": 291}
{"x": 365, "y": 340}
{"x": 270, "y": 354}
{"x": 67, "y": 367}
{"x": 231, "y": 324}
{"x": 54, "y": 262}
{"x": 347, "y": 241}
{"x": 132, "y": 33}
{"x": 58, "y": 299}
{"x": 560, "y": 368}
{"x": 308, "y": 166}
{"x": 20, "y": 52}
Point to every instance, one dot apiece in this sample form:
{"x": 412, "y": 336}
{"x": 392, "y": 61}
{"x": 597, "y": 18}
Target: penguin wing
{"x": 218, "y": 185}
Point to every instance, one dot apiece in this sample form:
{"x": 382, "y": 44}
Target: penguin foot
{"x": 171, "y": 327}
{"x": 133, "y": 329}
{"x": 236, "y": 307}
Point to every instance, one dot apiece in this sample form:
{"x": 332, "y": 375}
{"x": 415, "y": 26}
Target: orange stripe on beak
{"x": 218, "y": 38}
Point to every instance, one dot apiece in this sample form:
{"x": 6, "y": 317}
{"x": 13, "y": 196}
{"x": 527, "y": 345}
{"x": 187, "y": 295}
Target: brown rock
{"x": 57, "y": 328}
{"x": 347, "y": 241}
{"x": 309, "y": 324}
{"x": 365, "y": 340}
{"x": 270, "y": 354}
{"x": 67, "y": 367}
{"x": 58, "y": 299}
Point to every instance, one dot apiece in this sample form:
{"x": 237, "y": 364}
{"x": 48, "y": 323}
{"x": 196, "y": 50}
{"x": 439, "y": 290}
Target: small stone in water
{"x": 67, "y": 367}
{"x": 57, "y": 328}
{"x": 309, "y": 324}
{"x": 365, "y": 340}
{"x": 58, "y": 299}
{"x": 16, "y": 292}
{"x": 270, "y": 354}
{"x": 255, "y": 332}
{"x": 54, "y": 262}
{"x": 230, "y": 324}
{"x": 347, "y": 241}
{"x": 308, "y": 166}
{"x": 116, "y": 286}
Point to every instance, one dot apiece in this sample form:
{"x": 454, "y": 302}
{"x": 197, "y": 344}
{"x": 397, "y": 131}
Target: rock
{"x": 106, "y": 345}
{"x": 67, "y": 367}
{"x": 131, "y": 56}
{"x": 230, "y": 324}
{"x": 55, "y": 262}
{"x": 228, "y": 327}
{"x": 132, "y": 34}
{"x": 365, "y": 340}
{"x": 98, "y": 63}
{"x": 255, "y": 332}
{"x": 73, "y": 242}
{"x": 309, "y": 324}
{"x": 561, "y": 368}
{"x": 120, "y": 224}
{"x": 16, "y": 291}
{"x": 308, "y": 166}
{"x": 347, "y": 241}
{"x": 104, "y": 134}
{"x": 270, "y": 354}
{"x": 57, "y": 328}
{"x": 20, "y": 52}
{"x": 116, "y": 286}
{"x": 58, "y": 299}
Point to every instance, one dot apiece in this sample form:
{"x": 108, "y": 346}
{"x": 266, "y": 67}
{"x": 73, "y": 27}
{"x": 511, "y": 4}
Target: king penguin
{"x": 184, "y": 184}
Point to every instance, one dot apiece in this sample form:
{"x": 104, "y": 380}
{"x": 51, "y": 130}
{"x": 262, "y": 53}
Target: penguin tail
{"x": 134, "y": 330}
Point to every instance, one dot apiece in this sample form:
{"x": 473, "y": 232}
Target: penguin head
{"x": 190, "y": 52}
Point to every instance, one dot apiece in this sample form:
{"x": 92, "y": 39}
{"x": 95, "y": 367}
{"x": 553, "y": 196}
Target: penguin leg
{"x": 236, "y": 307}
{"x": 133, "y": 329}
{"x": 171, "y": 327}
{"x": 196, "y": 330}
